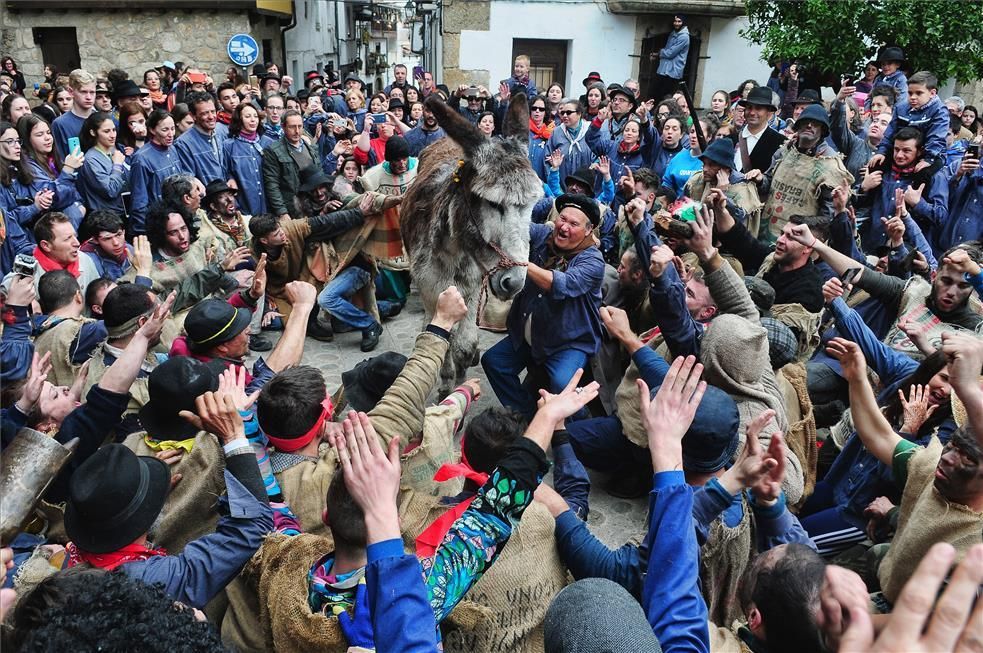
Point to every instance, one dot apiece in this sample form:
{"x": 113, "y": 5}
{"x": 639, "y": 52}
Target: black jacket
{"x": 763, "y": 151}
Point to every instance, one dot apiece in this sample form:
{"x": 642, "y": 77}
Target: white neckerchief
{"x": 574, "y": 140}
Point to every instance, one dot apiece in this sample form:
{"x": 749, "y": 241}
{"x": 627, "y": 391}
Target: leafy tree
{"x": 839, "y": 36}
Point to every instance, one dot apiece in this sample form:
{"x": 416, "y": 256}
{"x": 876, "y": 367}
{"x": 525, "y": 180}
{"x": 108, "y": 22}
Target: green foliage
{"x": 839, "y": 36}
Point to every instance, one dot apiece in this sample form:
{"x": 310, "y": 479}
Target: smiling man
{"x": 200, "y": 148}
{"x": 554, "y": 323}
{"x": 58, "y": 249}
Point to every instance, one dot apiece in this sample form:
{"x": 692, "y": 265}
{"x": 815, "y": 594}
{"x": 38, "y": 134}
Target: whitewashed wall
{"x": 731, "y": 58}
{"x": 598, "y": 40}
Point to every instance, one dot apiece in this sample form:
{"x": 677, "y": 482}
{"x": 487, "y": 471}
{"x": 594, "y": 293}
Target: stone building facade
{"x": 136, "y": 36}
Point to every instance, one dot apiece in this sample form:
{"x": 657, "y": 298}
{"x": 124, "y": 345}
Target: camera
{"x": 25, "y": 265}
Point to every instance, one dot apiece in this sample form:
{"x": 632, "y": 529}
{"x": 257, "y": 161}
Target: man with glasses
{"x": 272, "y": 126}
{"x": 477, "y": 99}
{"x": 622, "y": 104}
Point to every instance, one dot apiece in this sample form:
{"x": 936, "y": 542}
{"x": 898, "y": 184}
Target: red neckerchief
{"x": 543, "y": 131}
{"x": 898, "y": 173}
{"x": 110, "y": 561}
{"x": 224, "y": 117}
{"x": 624, "y": 148}
{"x": 524, "y": 80}
{"x": 48, "y": 264}
{"x": 433, "y": 535}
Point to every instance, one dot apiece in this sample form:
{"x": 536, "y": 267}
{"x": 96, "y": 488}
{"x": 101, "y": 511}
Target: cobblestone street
{"x": 613, "y": 520}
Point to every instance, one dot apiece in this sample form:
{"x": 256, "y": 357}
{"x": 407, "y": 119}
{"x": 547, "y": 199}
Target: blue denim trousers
{"x": 337, "y": 293}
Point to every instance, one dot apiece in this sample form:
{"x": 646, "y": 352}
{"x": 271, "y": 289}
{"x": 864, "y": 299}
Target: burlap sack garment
{"x": 796, "y": 185}
{"x": 801, "y": 435}
{"x": 723, "y": 559}
{"x": 925, "y": 518}
{"x": 744, "y": 194}
{"x": 58, "y": 339}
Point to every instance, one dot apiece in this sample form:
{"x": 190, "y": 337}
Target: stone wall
{"x": 136, "y": 40}
{"x": 461, "y": 15}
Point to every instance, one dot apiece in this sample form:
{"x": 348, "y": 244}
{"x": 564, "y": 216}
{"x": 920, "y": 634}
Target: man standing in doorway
{"x": 672, "y": 59}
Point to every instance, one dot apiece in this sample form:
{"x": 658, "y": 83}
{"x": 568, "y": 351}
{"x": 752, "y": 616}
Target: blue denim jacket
{"x": 149, "y": 167}
{"x": 201, "y": 155}
{"x": 965, "y": 219}
{"x": 566, "y": 316}
{"x": 932, "y": 120}
{"x": 244, "y": 163}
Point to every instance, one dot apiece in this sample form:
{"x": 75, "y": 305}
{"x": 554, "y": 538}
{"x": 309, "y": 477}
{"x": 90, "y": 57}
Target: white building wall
{"x": 598, "y": 40}
{"x": 730, "y": 58}
{"x": 312, "y": 40}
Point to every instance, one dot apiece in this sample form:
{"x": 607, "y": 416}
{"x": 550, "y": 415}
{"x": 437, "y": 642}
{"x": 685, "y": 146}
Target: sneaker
{"x": 259, "y": 342}
{"x": 319, "y": 332}
{"x": 370, "y": 337}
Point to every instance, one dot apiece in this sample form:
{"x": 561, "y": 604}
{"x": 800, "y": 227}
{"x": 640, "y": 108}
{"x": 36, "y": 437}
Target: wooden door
{"x": 547, "y": 60}
{"x": 59, "y": 47}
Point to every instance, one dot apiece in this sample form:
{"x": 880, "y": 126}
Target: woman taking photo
{"x": 46, "y": 169}
{"x": 132, "y": 128}
{"x": 104, "y": 175}
{"x": 244, "y": 158}
{"x": 21, "y": 209}
{"x": 150, "y": 166}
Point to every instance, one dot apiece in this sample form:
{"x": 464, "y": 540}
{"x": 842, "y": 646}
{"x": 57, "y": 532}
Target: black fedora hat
{"x": 891, "y": 54}
{"x": 583, "y": 175}
{"x": 592, "y": 76}
{"x": 368, "y": 381}
{"x": 396, "y": 104}
{"x": 114, "y": 498}
{"x": 311, "y": 177}
{"x": 719, "y": 151}
{"x": 582, "y": 203}
{"x": 618, "y": 89}
{"x": 215, "y": 187}
{"x": 761, "y": 96}
{"x": 173, "y": 387}
{"x": 126, "y": 88}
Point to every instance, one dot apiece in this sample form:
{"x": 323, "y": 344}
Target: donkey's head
{"x": 494, "y": 189}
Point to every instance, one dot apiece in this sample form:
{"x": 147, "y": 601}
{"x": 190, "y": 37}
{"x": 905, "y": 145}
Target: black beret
{"x": 581, "y": 202}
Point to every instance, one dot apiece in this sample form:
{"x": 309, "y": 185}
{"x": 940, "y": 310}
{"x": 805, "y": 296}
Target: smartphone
{"x": 73, "y": 145}
{"x": 196, "y": 78}
{"x": 909, "y": 261}
{"x": 417, "y": 72}
{"x": 254, "y": 81}
{"x": 848, "y": 276}
{"x": 339, "y": 123}
{"x": 378, "y": 118}
{"x": 973, "y": 151}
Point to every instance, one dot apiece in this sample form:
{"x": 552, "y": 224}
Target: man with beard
{"x": 924, "y": 309}
{"x": 425, "y": 133}
{"x": 802, "y": 177}
{"x": 672, "y": 59}
{"x": 554, "y": 321}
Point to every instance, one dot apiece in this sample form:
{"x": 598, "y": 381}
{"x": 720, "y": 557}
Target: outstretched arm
{"x": 873, "y": 428}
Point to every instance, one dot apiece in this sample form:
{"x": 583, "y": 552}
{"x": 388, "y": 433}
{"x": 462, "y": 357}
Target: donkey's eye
{"x": 496, "y": 206}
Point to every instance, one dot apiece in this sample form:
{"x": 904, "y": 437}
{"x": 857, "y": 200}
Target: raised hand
{"x": 36, "y": 376}
{"x": 627, "y": 183}
{"x": 451, "y": 308}
{"x": 232, "y": 382}
{"x": 616, "y": 322}
{"x": 662, "y": 256}
{"x": 570, "y": 400}
{"x": 962, "y": 262}
{"x": 701, "y": 243}
{"x": 258, "y": 287}
{"x": 668, "y": 417}
{"x": 917, "y": 408}
{"x": 216, "y": 413}
{"x": 912, "y": 627}
{"x": 895, "y": 229}
{"x": 143, "y": 256}
{"x": 833, "y": 289}
{"x": 913, "y": 195}
{"x": 153, "y": 327}
{"x": 850, "y": 357}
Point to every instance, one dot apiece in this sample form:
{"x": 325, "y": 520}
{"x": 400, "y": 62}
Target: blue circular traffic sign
{"x": 243, "y": 50}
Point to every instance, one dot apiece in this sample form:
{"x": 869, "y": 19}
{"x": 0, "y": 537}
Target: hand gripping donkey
{"x": 465, "y": 221}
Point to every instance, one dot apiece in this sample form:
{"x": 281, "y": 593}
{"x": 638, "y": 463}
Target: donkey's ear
{"x": 517, "y": 118}
{"x": 457, "y": 126}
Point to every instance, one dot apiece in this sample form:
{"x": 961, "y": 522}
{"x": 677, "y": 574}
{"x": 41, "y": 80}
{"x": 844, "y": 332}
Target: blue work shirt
{"x": 932, "y": 120}
{"x": 565, "y": 316}
{"x": 203, "y": 155}
{"x": 965, "y": 219}
{"x": 149, "y": 167}
{"x": 244, "y": 163}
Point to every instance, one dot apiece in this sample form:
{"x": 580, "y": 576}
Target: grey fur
{"x": 452, "y": 210}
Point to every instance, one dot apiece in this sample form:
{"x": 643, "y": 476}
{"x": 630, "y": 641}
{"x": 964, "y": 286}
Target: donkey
{"x": 465, "y": 220}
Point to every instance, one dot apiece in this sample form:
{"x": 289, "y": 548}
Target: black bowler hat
{"x": 720, "y": 151}
{"x": 368, "y": 381}
{"x": 396, "y": 104}
{"x": 114, "y": 498}
{"x": 582, "y": 203}
{"x": 215, "y": 187}
{"x": 126, "y": 88}
{"x": 311, "y": 177}
{"x": 808, "y": 96}
{"x": 214, "y": 321}
{"x": 173, "y": 387}
{"x": 583, "y": 175}
{"x": 760, "y": 96}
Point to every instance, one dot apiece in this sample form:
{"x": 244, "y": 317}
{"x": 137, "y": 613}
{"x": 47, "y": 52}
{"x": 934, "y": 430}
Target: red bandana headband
{"x": 288, "y": 445}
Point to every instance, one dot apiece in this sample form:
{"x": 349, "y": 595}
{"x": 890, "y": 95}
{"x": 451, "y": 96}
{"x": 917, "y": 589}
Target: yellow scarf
{"x": 168, "y": 445}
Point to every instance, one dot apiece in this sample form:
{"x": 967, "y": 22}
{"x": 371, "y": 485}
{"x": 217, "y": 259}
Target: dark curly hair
{"x": 85, "y": 609}
{"x": 157, "y": 222}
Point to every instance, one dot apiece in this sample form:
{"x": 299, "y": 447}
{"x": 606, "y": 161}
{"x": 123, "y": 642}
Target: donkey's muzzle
{"x": 507, "y": 283}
